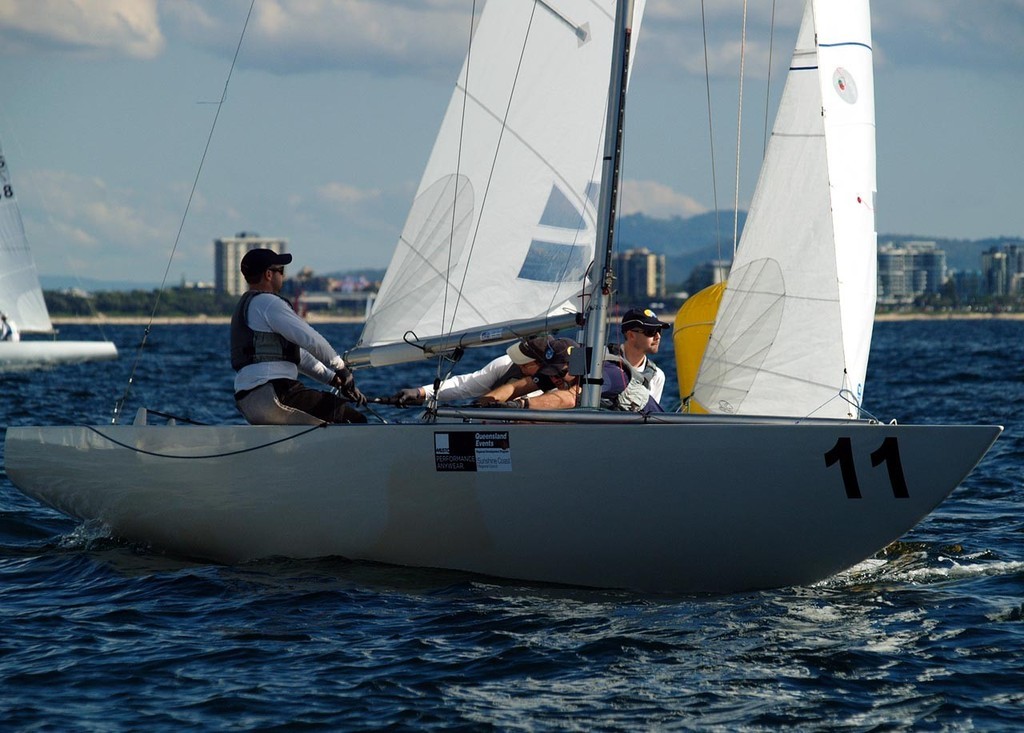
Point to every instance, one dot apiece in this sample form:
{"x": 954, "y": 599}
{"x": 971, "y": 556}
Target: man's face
{"x": 647, "y": 340}
{"x": 276, "y": 274}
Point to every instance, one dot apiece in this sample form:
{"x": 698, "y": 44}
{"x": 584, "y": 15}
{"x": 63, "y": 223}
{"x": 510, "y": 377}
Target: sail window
{"x": 552, "y": 262}
{"x": 560, "y": 212}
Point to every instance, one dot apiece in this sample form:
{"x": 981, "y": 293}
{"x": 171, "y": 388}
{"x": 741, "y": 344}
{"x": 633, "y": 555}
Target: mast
{"x": 596, "y": 336}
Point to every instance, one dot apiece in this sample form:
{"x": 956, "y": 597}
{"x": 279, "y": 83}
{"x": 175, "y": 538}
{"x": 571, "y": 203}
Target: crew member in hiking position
{"x": 271, "y": 344}
{"x": 632, "y": 381}
{"x": 522, "y": 360}
{"x": 554, "y": 366}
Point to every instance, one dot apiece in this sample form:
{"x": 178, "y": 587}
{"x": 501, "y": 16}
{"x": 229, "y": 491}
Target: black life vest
{"x": 254, "y": 347}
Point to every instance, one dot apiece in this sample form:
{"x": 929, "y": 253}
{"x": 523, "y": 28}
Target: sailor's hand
{"x": 518, "y": 404}
{"x": 346, "y": 384}
{"x": 407, "y": 397}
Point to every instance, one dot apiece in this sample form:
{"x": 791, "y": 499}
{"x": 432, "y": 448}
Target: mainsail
{"x": 21, "y": 296}
{"x": 502, "y": 228}
{"x": 794, "y": 327}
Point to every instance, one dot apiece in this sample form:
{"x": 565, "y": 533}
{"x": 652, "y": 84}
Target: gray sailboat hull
{"x": 688, "y": 506}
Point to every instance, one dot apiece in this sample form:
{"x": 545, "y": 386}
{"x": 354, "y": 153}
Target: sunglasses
{"x": 276, "y": 269}
{"x": 650, "y": 332}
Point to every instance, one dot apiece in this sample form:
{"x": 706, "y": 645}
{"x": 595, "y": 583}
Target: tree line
{"x": 173, "y": 302}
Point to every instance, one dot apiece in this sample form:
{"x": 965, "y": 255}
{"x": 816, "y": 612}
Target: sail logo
{"x": 844, "y": 85}
{"x": 563, "y": 246}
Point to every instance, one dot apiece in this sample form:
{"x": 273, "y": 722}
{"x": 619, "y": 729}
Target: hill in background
{"x": 686, "y": 243}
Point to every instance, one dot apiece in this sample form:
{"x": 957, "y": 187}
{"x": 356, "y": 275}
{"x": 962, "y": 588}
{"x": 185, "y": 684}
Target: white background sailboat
{"x": 727, "y": 502}
{"x": 21, "y": 297}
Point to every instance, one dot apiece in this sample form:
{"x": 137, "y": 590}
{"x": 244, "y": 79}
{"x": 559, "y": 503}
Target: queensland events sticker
{"x": 472, "y": 451}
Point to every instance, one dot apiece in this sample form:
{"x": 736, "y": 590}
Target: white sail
{"x": 21, "y": 296}
{"x": 794, "y": 327}
{"x": 502, "y": 228}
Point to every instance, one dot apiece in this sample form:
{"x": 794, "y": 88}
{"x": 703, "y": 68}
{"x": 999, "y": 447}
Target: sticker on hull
{"x": 472, "y": 451}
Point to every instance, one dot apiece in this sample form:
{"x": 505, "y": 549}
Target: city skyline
{"x": 330, "y": 116}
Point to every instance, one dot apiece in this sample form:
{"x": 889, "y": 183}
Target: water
{"x": 100, "y": 635}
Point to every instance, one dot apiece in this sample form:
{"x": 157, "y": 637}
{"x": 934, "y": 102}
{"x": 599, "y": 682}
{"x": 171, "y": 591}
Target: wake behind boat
{"x": 753, "y": 494}
{"x": 21, "y": 298}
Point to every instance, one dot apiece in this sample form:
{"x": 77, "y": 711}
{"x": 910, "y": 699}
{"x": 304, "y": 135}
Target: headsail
{"x": 502, "y": 228}
{"x": 794, "y": 328}
{"x": 21, "y": 297}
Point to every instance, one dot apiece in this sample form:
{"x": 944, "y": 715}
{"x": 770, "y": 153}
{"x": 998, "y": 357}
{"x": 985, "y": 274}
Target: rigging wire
{"x": 711, "y": 133}
{"x": 739, "y": 136}
{"x": 455, "y": 196}
{"x": 119, "y": 406}
{"x": 768, "y": 84}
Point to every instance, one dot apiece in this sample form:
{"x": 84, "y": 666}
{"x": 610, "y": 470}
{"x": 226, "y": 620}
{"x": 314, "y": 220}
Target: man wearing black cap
{"x": 522, "y": 359}
{"x": 632, "y": 381}
{"x": 270, "y": 345}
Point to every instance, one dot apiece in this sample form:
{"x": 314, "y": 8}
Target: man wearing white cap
{"x": 522, "y": 359}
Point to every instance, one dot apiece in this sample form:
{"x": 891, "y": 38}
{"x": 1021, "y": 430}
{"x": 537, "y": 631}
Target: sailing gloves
{"x": 346, "y": 384}
{"x": 518, "y": 403}
{"x": 407, "y": 397}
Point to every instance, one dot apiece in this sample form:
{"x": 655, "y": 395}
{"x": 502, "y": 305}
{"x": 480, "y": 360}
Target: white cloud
{"x": 657, "y": 200}
{"x": 72, "y": 219}
{"x": 119, "y": 27}
{"x": 344, "y": 194}
{"x": 300, "y": 36}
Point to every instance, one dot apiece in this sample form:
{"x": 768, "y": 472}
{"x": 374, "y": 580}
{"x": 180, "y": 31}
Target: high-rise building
{"x": 908, "y": 270}
{"x": 227, "y": 256}
{"x": 1002, "y": 270}
{"x": 707, "y": 274}
{"x": 640, "y": 275}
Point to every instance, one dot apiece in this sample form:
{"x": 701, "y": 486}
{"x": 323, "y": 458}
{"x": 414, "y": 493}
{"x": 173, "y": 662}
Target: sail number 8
{"x": 888, "y": 453}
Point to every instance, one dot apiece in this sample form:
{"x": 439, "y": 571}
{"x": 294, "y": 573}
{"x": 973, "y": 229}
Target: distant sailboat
{"x": 499, "y": 242}
{"x": 21, "y": 296}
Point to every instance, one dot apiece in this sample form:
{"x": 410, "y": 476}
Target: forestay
{"x": 502, "y": 228}
{"x": 21, "y": 296}
{"x": 794, "y": 328}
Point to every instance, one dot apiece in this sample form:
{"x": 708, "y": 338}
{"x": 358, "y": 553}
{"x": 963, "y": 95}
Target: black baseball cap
{"x": 636, "y": 318}
{"x": 256, "y": 261}
{"x": 556, "y": 356}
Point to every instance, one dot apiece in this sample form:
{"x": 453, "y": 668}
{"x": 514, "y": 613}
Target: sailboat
{"x": 21, "y": 297}
{"x": 752, "y": 495}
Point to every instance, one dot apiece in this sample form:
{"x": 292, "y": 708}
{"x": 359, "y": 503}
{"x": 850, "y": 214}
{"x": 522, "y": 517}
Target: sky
{"x": 106, "y": 108}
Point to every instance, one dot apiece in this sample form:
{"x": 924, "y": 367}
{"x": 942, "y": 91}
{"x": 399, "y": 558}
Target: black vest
{"x": 253, "y": 347}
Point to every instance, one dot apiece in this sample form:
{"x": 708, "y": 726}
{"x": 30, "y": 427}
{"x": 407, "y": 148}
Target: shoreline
{"x": 317, "y": 318}
{"x": 177, "y": 320}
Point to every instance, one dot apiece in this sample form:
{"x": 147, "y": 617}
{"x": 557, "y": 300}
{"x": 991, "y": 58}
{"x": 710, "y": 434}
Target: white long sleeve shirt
{"x": 474, "y": 384}
{"x": 317, "y": 358}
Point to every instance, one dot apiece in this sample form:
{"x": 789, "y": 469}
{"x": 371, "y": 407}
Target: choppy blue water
{"x": 99, "y": 635}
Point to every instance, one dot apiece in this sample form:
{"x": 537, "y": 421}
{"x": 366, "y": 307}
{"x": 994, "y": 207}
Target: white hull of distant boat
{"x": 712, "y": 504}
{"x": 25, "y": 354}
{"x": 21, "y": 296}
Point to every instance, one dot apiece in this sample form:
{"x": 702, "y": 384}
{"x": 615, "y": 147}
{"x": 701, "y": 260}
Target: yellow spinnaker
{"x": 690, "y": 334}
